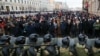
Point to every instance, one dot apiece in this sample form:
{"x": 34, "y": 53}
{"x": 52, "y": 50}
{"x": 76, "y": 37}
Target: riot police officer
{"x": 92, "y": 46}
{"x": 4, "y": 42}
{"x": 50, "y": 48}
{"x": 97, "y": 45}
{"x": 20, "y": 41}
{"x": 68, "y": 42}
{"x": 89, "y": 47}
{"x": 82, "y": 39}
{"x": 33, "y": 38}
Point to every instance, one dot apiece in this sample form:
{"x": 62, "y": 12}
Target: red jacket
{"x": 2, "y": 25}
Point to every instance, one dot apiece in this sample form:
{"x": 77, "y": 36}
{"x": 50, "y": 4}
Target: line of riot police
{"x": 35, "y": 45}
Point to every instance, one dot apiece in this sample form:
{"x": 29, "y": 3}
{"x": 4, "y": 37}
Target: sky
{"x": 72, "y": 3}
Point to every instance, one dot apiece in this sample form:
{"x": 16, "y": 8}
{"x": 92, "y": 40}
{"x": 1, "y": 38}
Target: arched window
{"x": 2, "y": 8}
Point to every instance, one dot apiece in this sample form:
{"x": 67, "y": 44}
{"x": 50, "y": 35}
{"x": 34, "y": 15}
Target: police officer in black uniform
{"x": 19, "y": 42}
{"x": 51, "y": 49}
{"x": 68, "y": 42}
{"x": 4, "y": 42}
{"x": 33, "y": 38}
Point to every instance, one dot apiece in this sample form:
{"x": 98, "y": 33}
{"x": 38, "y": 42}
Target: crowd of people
{"x": 57, "y": 24}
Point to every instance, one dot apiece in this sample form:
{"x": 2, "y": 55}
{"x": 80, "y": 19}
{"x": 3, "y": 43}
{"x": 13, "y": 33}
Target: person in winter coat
{"x": 85, "y": 26}
{"x": 96, "y": 26}
{"x": 74, "y": 29}
{"x": 52, "y": 28}
{"x": 2, "y": 26}
{"x": 30, "y": 28}
{"x": 37, "y": 27}
{"x": 68, "y": 29}
{"x": 18, "y": 27}
{"x": 90, "y": 27}
{"x": 63, "y": 27}
{"x": 43, "y": 26}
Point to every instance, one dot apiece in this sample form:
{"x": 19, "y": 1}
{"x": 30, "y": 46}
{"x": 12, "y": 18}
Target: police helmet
{"x": 4, "y": 39}
{"x": 65, "y": 41}
{"x": 97, "y": 43}
{"x": 20, "y": 40}
{"x": 48, "y": 37}
{"x": 81, "y": 37}
{"x": 33, "y": 37}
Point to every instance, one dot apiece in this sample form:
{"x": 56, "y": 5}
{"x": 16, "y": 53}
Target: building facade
{"x": 19, "y": 5}
{"x": 61, "y": 6}
{"x": 64, "y": 6}
{"x": 52, "y": 5}
{"x": 44, "y": 4}
{"x": 25, "y": 5}
{"x": 93, "y": 6}
{"x": 58, "y": 5}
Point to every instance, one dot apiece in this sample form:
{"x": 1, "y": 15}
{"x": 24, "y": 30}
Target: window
{"x": 16, "y": 8}
{"x": 18, "y": 1}
{"x": 25, "y": 2}
{"x": 15, "y": 1}
{"x": 7, "y": 8}
{"x": 2, "y": 8}
{"x": 22, "y": 1}
{"x": 20, "y": 8}
{"x": 30, "y": 2}
{"x": 12, "y": 8}
{"x": 10, "y": 0}
{"x": 6, "y": 0}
